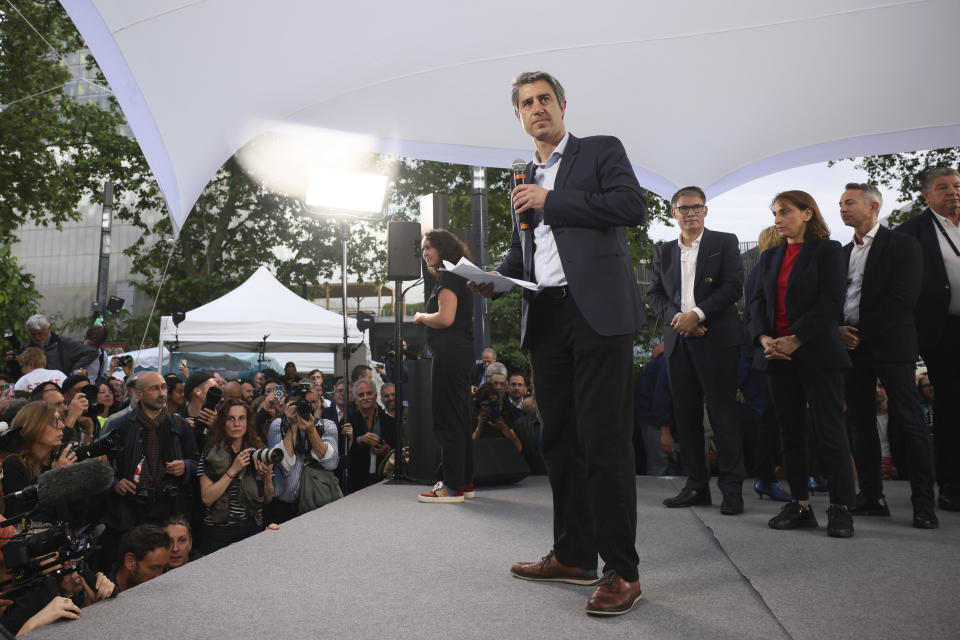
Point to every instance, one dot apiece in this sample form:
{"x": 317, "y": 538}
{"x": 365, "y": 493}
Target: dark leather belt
{"x": 556, "y": 293}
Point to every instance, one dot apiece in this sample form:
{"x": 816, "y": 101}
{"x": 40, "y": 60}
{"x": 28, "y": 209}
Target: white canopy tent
{"x": 701, "y": 92}
{"x": 260, "y": 313}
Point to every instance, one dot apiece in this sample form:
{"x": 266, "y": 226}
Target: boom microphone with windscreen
{"x": 64, "y": 484}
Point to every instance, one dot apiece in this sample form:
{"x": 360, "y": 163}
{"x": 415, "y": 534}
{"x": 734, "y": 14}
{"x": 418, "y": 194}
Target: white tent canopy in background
{"x": 261, "y": 306}
{"x": 701, "y": 92}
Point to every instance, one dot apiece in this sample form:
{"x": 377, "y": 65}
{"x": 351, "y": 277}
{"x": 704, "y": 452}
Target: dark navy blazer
{"x": 931, "y": 310}
{"x": 718, "y": 285}
{"x": 595, "y": 196}
{"x": 814, "y": 304}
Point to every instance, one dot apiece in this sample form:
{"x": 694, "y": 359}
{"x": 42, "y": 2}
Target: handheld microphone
{"x": 520, "y": 177}
{"x": 64, "y": 484}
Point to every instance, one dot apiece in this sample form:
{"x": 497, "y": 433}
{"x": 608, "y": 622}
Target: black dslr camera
{"x": 150, "y": 495}
{"x": 102, "y": 446}
{"x": 487, "y": 396}
{"x": 299, "y": 395}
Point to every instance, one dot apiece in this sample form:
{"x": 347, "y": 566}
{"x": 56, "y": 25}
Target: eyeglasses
{"x": 56, "y": 422}
{"x": 695, "y": 208}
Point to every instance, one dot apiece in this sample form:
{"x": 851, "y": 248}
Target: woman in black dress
{"x": 795, "y": 315}
{"x": 449, "y": 323}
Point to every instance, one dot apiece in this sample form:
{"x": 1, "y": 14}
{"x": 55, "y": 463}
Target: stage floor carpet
{"x": 379, "y": 565}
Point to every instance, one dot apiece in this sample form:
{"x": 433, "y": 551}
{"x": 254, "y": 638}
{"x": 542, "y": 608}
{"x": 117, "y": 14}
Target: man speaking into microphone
{"x": 570, "y": 214}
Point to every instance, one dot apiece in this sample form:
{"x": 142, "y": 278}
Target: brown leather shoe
{"x": 613, "y": 596}
{"x": 549, "y": 569}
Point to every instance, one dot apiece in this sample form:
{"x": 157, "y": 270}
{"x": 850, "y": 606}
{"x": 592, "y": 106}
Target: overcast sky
{"x": 745, "y": 210}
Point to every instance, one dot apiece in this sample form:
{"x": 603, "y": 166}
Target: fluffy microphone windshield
{"x": 73, "y": 482}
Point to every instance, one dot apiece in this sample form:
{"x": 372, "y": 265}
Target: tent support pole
{"x": 344, "y": 235}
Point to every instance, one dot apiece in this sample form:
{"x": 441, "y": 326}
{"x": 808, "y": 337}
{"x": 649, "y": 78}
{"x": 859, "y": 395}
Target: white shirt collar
{"x": 868, "y": 236}
{"x": 942, "y": 218}
{"x": 693, "y": 245}
{"x": 558, "y": 152}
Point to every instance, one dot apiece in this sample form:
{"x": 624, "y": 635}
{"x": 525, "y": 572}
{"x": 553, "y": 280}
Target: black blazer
{"x": 717, "y": 286}
{"x": 595, "y": 196}
{"x": 891, "y": 285}
{"x": 358, "y": 460}
{"x": 814, "y": 304}
{"x": 930, "y": 312}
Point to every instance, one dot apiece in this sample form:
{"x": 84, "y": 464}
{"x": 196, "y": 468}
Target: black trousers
{"x": 450, "y": 387}
{"x": 904, "y": 407}
{"x": 700, "y": 372}
{"x": 583, "y": 385}
{"x": 943, "y": 367}
{"x": 791, "y": 390}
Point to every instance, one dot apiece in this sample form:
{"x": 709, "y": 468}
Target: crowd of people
{"x": 199, "y": 461}
{"x": 824, "y": 354}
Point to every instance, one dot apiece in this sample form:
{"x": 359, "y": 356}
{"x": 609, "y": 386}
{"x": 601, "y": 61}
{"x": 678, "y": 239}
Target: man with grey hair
{"x": 937, "y": 316}
{"x": 63, "y": 354}
{"x": 569, "y": 237}
{"x": 883, "y": 281}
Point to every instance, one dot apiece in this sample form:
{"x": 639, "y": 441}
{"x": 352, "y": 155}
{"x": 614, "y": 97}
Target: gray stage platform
{"x": 380, "y": 565}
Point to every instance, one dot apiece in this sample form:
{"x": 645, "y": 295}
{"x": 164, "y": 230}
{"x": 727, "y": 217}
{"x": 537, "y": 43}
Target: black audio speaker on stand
{"x": 403, "y": 250}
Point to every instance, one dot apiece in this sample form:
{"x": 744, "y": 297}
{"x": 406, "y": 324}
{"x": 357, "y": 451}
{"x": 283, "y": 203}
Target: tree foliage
{"x": 18, "y": 296}
{"x": 54, "y": 151}
{"x": 904, "y": 172}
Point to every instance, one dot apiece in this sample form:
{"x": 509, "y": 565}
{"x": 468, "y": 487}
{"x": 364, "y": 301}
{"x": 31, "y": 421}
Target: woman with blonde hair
{"x": 41, "y": 428}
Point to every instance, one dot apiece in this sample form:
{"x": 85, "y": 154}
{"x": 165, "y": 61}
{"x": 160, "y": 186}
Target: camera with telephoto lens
{"x": 211, "y": 401}
{"x": 299, "y": 395}
{"x": 487, "y": 396}
{"x": 267, "y": 456}
{"x": 103, "y": 445}
{"x": 90, "y": 392}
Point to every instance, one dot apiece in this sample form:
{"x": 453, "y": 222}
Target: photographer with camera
{"x": 79, "y": 426}
{"x": 199, "y": 416}
{"x": 234, "y": 483}
{"x": 373, "y": 434}
{"x": 23, "y": 609}
{"x": 41, "y": 432}
{"x": 154, "y": 466}
{"x": 310, "y": 456}
{"x": 490, "y": 422}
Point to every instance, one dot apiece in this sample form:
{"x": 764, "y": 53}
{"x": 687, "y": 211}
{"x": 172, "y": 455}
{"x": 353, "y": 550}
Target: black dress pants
{"x": 791, "y": 390}
{"x": 450, "y": 388}
{"x": 700, "y": 372}
{"x": 943, "y": 367}
{"x": 583, "y": 385}
{"x": 904, "y": 407}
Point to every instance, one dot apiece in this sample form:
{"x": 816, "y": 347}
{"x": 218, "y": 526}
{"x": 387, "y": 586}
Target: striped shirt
{"x": 236, "y": 514}
{"x": 286, "y": 475}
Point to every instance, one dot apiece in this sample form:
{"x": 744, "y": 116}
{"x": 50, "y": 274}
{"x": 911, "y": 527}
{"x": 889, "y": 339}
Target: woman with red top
{"x": 795, "y": 317}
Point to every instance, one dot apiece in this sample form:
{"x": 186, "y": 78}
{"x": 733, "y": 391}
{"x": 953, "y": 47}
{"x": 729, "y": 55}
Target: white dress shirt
{"x": 688, "y": 275}
{"x": 858, "y": 261}
{"x": 950, "y": 260}
{"x": 546, "y": 259}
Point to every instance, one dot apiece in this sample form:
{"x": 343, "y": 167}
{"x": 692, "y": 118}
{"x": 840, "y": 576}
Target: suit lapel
{"x": 931, "y": 242}
{"x": 566, "y": 162}
{"x": 871, "y": 266}
{"x": 706, "y": 246}
{"x": 770, "y": 282}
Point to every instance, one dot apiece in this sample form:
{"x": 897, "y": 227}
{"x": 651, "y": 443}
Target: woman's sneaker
{"x": 792, "y": 516}
{"x": 440, "y": 494}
